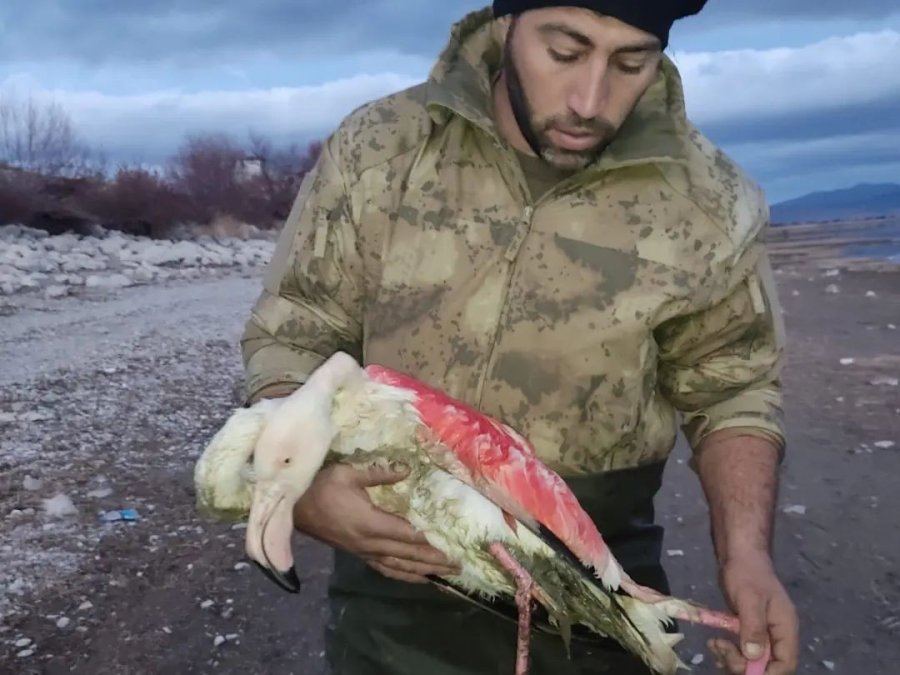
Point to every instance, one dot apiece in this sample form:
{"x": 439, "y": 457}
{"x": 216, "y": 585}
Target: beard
{"x": 536, "y": 130}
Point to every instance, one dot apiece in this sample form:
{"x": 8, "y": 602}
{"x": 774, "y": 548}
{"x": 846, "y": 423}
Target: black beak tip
{"x": 289, "y": 581}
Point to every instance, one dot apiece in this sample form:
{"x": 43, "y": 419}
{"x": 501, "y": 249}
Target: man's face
{"x": 576, "y": 76}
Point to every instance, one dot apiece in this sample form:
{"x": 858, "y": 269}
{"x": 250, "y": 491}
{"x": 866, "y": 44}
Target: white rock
{"x": 241, "y": 566}
{"x": 31, "y": 484}
{"x": 232, "y": 636}
{"x": 59, "y": 506}
{"x": 22, "y": 642}
{"x": 829, "y": 665}
{"x": 166, "y": 630}
{"x": 798, "y": 509}
{"x": 884, "y": 445}
{"x": 847, "y": 361}
{"x": 832, "y": 273}
{"x": 833, "y": 289}
{"x": 86, "y": 605}
{"x": 886, "y": 381}
{"x": 56, "y": 292}
{"x": 206, "y": 604}
{"x": 697, "y": 659}
{"x": 871, "y": 294}
{"x": 218, "y": 640}
{"x": 63, "y": 622}
{"x": 675, "y": 553}
{"x": 25, "y": 653}
{"x": 100, "y": 493}
{"x": 111, "y": 281}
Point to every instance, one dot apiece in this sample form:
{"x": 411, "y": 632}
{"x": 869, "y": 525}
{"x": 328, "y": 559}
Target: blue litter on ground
{"x": 119, "y": 514}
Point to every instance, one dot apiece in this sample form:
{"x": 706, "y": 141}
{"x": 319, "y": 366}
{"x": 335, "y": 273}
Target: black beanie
{"x": 653, "y": 16}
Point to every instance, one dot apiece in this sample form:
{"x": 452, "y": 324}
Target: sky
{"x": 804, "y": 94}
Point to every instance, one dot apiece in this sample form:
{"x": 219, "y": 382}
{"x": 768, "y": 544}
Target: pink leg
{"x": 524, "y": 587}
{"x": 684, "y": 611}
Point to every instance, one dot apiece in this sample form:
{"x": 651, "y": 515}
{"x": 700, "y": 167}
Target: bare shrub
{"x": 203, "y": 169}
{"x": 18, "y": 196}
{"x": 39, "y": 136}
{"x": 140, "y": 202}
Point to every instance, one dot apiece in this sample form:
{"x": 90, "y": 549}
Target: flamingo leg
{"x": 684, "y": 611}
{"x": 524, "y": 590}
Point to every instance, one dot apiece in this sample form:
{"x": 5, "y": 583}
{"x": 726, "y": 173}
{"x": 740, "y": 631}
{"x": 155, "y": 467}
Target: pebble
{"x": 87, "y": 604}
{"x": 166, "y": 630}
{"x": 884, "y": 445}
{"x": 847, "y": 361}
{"x": 99, "y": 493}
{"x": 697, "y": 659}
{"x": 206, "y": 604}
{"x": 241, "y": 566}
{"x": 675, "y": 552}
{"x": 63, "y": 621}
{"x": 22, "y": 642}
{"x": 218, "y": 640}
{"x": 828, "y": 664}
{"x": 25, "y": 653}
{"x": 31, "y": 484}
{"x": 799, "y": 509}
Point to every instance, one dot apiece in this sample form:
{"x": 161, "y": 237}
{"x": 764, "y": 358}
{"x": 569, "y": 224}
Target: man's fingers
{"x": 378, "y": 476}
{"x": 394, "y": 573}
{"x": 727, "y": 652}
{"x": 414, "y": 567}
{"x": 785, "y": 637}
{"x": 383, "y": 525}
{"x": 423, "y": 554}
{"x": 752, "y": 609}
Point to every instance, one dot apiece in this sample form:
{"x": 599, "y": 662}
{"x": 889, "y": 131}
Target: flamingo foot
{"x": 524, "y": 590}
{"x": 685, "y": 611}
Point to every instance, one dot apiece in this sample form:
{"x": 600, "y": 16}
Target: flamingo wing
{"x": 501, "y": 464}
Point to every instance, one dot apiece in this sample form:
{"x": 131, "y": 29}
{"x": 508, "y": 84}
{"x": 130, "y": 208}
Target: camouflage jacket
{"x": 587, "y": 319}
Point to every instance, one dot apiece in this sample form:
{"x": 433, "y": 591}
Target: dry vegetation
{"x": 49, "y": 179}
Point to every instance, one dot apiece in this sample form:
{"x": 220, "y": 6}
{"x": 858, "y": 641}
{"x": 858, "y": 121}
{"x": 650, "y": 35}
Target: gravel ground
{"x": 107, "y": 399}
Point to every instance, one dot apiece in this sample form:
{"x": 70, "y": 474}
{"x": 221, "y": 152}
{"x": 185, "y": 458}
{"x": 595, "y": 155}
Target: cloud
{"x": 802, "y": 9}
{"x": 182, "y": 31}
{"x": 786, "y": 113}
{"x": 148, "y": 127}
{"x": 185, "y": 31}
{"x": 835, "y": 86}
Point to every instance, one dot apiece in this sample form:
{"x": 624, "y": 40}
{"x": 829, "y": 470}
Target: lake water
{"x": 878, "y": 248}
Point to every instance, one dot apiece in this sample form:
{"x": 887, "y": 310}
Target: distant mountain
{"x": 861, "y": 201}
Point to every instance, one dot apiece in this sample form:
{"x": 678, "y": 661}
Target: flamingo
{"x": 475, "y": 488}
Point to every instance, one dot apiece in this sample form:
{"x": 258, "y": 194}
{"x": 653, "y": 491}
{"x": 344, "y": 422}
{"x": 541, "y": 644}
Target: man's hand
{"x": 337, "y": 511}
{"x": 766, "y": 613}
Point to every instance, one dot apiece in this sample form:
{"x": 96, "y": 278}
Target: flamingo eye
{"x": 287, "y": 460}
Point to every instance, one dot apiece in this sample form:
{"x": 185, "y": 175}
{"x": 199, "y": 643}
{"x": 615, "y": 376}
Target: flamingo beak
{"x": 269, "y": 529}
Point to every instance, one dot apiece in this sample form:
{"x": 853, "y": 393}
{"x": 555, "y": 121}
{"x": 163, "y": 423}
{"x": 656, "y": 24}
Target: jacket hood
{"x": 459, "y": 83}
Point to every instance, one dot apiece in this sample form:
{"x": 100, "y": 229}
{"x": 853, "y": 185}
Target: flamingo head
{"x": 288, "y": 454}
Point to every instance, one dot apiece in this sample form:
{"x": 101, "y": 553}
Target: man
{"x": 539, "y": 231}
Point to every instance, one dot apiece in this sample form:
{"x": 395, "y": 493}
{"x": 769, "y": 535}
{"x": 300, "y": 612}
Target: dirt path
{"x": 109, "y": 401}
